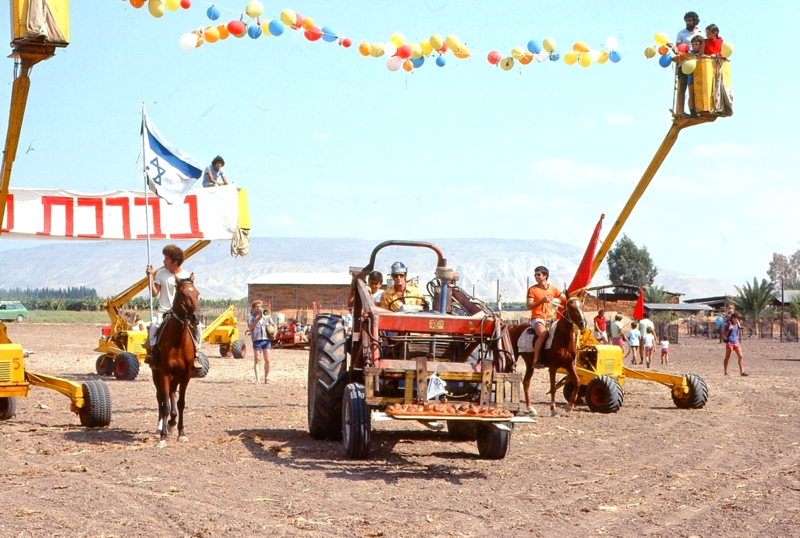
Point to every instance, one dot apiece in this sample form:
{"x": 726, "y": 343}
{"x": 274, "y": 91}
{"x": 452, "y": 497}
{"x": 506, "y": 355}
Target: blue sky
{"x": 331, "y": 144}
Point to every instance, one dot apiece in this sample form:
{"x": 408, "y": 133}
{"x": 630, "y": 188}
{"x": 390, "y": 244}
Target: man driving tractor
{"x": 402, "y": 292}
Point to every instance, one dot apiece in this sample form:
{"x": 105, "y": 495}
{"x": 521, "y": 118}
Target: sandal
{"x": 744, "y": 374}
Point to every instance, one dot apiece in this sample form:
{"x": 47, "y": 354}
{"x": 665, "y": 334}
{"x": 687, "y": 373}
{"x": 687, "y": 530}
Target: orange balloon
{"x": 526, "y": 58}
{"x": 364, "y": 48}
{"x": 408, "y": 66}
{"x": 308, "y": 23}
{"x": 662, "y": 50}
{"x": 137, "y": 3}
{"x": 223, "y": 31}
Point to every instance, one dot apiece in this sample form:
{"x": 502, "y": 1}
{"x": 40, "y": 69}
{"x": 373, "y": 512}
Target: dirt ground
{"x": 250, "y": 468}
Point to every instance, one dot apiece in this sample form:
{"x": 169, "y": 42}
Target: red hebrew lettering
{"x": 9, "y": 213}
{"x": 156, "y": 208}
{"x": 97, "y": 203}
{"x": 48, "y": 202}
{"x": 194, "y": 224}
{"x": 124, "y": 203}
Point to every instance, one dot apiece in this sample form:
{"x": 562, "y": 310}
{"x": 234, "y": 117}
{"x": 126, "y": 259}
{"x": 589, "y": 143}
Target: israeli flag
{"x": 170, "y": 173}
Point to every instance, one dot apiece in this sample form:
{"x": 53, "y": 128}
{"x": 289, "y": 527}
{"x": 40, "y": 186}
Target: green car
{"x": 12, "y": 311}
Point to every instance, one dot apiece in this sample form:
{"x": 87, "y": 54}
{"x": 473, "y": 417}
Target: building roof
{"x": 788, "y": 295}
{"x": 680, "y": 307}
{"x": 304, "y": 279}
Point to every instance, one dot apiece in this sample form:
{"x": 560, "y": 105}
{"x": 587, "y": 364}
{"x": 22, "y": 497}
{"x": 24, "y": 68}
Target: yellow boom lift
{"x": 38, "y": 27}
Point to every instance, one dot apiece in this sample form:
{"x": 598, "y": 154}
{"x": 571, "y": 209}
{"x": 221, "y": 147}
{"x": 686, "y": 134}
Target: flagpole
{"x": 147, "y": 214}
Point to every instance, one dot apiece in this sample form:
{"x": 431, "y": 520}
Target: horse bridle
{"x": 565, "y": 313}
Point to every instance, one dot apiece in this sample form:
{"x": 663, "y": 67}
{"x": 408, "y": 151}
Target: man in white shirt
{"x": 685, "y": 37}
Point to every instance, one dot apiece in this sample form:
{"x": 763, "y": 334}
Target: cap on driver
{"x": 399, "y": 269}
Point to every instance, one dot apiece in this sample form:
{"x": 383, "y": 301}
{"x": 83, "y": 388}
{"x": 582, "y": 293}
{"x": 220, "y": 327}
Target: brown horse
{"x": 176, "y": 352}
{"x": 561, "y": 353}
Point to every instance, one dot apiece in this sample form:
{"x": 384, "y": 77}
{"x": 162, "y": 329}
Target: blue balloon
{"x": 417, "y": 63}
{"x": 534, "y": 46}
{"x": 718, "y": 321}
{"x": 554, "y": 56}
{"x": 329, "y": 34}
{"x": 213, "y": 13}
{"x": 614, "y": 56}
{"x": 664, "y": 61}
{"x": 276, "y": 27}
{"x": 440, "y": 61}
{"x": 254, "y": 31}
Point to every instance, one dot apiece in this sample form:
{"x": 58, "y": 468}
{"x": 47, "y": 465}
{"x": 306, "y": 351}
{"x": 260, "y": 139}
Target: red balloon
{"x": 186, "y": 4}
{"x": 444, "y": 48}
{"x": 298, "y": 23}
{"x": 346, "y": 42}
{"x": 494, "y": 57}
{"x": 404, "y": 52}
{"x": 236, "y": 27}
{"x": 683, "y": 47}
{"x": 313, "y": 34}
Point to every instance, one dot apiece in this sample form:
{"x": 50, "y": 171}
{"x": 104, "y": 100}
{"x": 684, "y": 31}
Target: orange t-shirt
{"x": 544, "y": 310}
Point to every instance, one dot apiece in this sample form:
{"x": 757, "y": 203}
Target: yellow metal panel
{"x": 704, "y": 77}
{"x": 19, "y": 19}
{"x": 12, "y": 365}
{"x": 244, "y": 212}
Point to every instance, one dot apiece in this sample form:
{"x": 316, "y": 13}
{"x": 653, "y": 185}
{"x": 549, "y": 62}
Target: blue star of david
{"x": 157, "y": 179}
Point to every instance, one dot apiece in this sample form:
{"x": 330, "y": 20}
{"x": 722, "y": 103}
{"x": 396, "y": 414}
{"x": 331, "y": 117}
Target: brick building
{"x": 300, "y": 291}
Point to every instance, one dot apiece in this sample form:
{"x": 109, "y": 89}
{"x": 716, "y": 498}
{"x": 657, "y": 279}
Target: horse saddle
{"x": 528, "y": 338}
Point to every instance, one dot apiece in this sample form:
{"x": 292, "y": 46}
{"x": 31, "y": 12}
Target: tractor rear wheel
{"x": 224, "y": 350}
{"x": 462, "y": 430}
{"x": 327, "y": 370}
{"x": 569, "y": 388}
{"x": 239, "y": 349}
{"x": 126, "y": 366}
{"x": 356, "y": 422}
{"x": 493, "y": 443}
{"x": 8, "y": 407}
{"x": 697, "y": 396}
{"x": 104, "y": 365}
{"x": 202, "y": 371}
{"x": 96, "y": 410}
{"x": 604, "y": 394}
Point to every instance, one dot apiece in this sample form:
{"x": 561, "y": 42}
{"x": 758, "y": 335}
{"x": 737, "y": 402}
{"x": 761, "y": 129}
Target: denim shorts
{"x": 262, "y": 344}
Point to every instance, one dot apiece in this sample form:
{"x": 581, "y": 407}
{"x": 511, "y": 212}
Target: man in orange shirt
{"x": 540, "y": 302}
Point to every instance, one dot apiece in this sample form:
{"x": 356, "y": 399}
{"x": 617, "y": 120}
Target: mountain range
{"x": 110, "y": 267}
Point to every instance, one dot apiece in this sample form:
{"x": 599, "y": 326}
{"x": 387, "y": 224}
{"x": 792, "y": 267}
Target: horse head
{"x": 573, "y": 311}
{"x": 187, "y": 300}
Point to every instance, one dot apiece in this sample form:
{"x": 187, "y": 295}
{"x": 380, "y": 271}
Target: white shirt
{"x": 166, "y": 282}
{"x": 685, "y": 36}
{"x": 664, "y": 344}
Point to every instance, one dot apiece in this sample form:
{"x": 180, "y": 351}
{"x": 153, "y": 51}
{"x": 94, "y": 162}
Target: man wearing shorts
{"x": 540, "y": 302}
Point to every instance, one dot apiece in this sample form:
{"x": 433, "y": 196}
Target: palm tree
{"x": 656, "y": 294}
{"x": 754, "y": 300}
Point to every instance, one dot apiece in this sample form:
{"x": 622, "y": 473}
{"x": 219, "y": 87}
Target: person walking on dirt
{"x": 540, "y": 302}
{"x": 617, "y": 338}
{"x": 730, "y": 335}
{"x": 163, "y": 286}
{"x": 634, "y": 336}
{"x": 402, "y": 292}
{"x": 258, "y": 325}
{"x": 213, "y": 174}
{"x": 646, "y": 324}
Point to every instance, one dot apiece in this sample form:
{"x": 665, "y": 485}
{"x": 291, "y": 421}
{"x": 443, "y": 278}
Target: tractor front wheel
{"x": 202, "y": 371}
{"x": 104, "y": 365}
{"x": 697, "y": 396}
{"x": 96, "y": 410}
{"x": 356, "y": 422}
{"x": 569, "y": 388}
{"x": 224, "y": 350}
{"x": 8, "y": 407}
{"x": 604, "y": 394}
{"x": 493, "y": 442}
{"x": 126, "y": 366}
{"x": 327, "y": 370}
{"x": 239, "y": 349}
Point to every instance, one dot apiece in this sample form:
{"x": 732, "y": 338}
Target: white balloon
{"x": 611, "y": 43}
{"x": 541, "y": 57}
{"x": 389, "y": 48}
{"x": 188, "y": 41}
{"x": 394, "y": 63}
{"x": 594, "y": 55}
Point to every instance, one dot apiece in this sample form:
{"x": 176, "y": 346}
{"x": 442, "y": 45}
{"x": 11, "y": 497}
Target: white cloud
{"x": 618, "y": 118}
{"x": 724, "y": 149}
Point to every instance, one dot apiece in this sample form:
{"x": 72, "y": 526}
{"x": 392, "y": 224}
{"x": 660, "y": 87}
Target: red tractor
{"x": 447, "y": 362}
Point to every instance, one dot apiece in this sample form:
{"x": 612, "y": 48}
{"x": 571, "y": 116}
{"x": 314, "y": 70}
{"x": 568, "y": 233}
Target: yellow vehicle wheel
{"x": 239, "y": 349}
{"x": 697, "y": 396}
{"x": 569, "y": 388}
{"x": 96, "y": 411}
{"x": 8, "y": 407}
{"x": 205, "y": 365}
{"x": 104, "y": 365}
{"x": 604, "y": 394}
{"x": 126, "y": 366}
{"x": 224, "y": 350}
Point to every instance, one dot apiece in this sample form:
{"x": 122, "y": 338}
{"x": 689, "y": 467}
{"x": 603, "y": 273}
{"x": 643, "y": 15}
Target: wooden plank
{"x": 422, "y": 379}
{"x": 486, "y": 381}
{"x": 409, "y": 388}
{"x": 500, "y": 390}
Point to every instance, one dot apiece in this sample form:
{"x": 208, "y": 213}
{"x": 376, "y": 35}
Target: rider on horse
{"x": 540, "y": 302}
{"x": 163, "y": 287}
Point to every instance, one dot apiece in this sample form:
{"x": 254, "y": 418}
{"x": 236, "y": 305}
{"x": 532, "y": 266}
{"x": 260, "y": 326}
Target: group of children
{"x": 635, "y": 339}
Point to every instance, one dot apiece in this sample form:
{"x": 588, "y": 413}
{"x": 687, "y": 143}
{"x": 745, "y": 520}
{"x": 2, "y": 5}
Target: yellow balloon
{"x": 603, "y": 57}
{"x": 570, "y": 57}
{"x": 398, "y": 39}
{"x": 585, "y": 60}
{"x": 254, "y": 9}
{"x": 462, "y": 53}
{"x": 689, "y": 66}
{"x": 517, "y": 53}
{"x": 507, "y": 63}
{"x": 727, "y": 49}
{"x": 156, "y": 8}
{"x": 211, "y": 34}
{"x": 549, "y": 44}
{"x": 453, "y": 42}
{"x": 436, "y": 41}
{"x": 376, "y": 50}
{"x": 426, "y": 47}
{"x": 288, "y": 17}
{"x": 580, "y": 46}
{"x": 265, "y": 28}
{"x": 173, "y": 5}
{"x": 661, "y": 38}
{"x": 649, "y": 52}
{"x": 416, "y": 51}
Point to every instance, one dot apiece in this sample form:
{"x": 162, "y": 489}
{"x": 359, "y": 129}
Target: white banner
{"x": 210, "y": 213}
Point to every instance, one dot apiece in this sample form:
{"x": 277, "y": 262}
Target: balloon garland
{"x": 663, "y": 47}
{"x": 400, "y": 53}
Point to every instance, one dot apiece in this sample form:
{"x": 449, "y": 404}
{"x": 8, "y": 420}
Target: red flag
{"x": 583, "y": 276}
{"x": 638, "y": 311}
